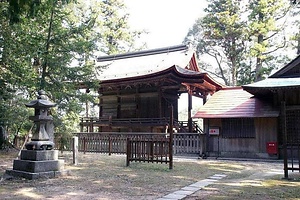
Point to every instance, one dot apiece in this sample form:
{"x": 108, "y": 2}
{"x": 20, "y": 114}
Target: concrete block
{"x": 38, "y": 166}
{"x": 36, "y": 155}
{"x": 184, "y": 192}
{"x": 191, "y": 188}
{"x": 29, "y": 175}
{"x": 174, "y": 196}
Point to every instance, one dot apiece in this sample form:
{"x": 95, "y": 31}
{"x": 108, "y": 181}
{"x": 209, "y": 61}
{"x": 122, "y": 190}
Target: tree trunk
{"x": 45, "y": 64}
{"x": 260, "y": 39}
{"x": 298, "y": 45}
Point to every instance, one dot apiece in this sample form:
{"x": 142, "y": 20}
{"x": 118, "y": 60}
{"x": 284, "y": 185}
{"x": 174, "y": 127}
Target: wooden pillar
{"x": 160, "y": 103}
{"x": 206, "y": 143}
{"x": 87, "y": 104}
{"x": 75, "y": 150}
{"x": 119, "y": 107}
{"x": 137, "y": 103}
{"x": 190, "y": 122}
{"x": 284, "y": 134}
{"x": 171, "y": 138}
{"x": 87, "y": 107}
{"x": 100, "y": 107}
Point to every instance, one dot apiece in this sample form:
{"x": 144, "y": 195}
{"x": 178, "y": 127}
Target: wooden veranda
{"x": 94, "y": 124}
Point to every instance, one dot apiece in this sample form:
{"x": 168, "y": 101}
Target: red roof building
{"x": 255, "y": 120}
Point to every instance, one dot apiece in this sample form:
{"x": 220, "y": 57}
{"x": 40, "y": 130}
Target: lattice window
{"x": 293, "y": 126}
{"x": 238, "y": 128}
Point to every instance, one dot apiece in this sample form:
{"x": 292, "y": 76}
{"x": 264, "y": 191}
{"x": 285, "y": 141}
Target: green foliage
{"x": 262, "y": 31}
{"x": 53, "y": 48}
{"x": 295, "y": 28}
{"x": 221, "y": 34}
{"x": 242, "y": 38}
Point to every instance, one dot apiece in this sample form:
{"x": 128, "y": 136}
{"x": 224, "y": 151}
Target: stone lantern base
{"x": 34, "y": 164}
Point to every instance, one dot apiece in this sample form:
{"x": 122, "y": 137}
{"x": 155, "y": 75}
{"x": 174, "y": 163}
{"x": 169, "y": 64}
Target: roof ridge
{"x": 286, "y": 67}
{"x": 143, "y": 53}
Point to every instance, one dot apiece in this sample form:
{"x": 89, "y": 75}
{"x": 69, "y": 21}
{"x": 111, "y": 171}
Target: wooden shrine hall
{"x": 138, "y": 89}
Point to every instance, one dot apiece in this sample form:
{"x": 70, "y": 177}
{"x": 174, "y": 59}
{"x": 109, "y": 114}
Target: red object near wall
{"x": 272, "y": 148}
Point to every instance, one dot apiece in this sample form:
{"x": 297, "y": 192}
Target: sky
{"x": 167, "y": 21}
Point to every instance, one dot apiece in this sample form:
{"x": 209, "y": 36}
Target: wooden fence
{"x": 116, "y": 143}
{"x": 188, "y": 143}
{"x": 155, "y": 149}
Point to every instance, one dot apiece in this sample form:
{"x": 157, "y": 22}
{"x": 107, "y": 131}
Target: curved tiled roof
{"x": 178, "y": 60}
{"x": 143, "y": 63}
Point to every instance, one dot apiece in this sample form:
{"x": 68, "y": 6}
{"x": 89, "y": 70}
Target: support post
{"x": 109, "y": 145}
{"x": 284, "y": 134}
{"x": 84, "y": 145}
{"x": 128, "y": 152}
{"x": 171, "y": 139}
{"x": 190, "y": 125}
{"x": 75, "y": 150}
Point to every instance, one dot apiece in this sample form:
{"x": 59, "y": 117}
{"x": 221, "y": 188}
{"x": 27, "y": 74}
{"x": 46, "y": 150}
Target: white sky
{"x": 167, "y": 21}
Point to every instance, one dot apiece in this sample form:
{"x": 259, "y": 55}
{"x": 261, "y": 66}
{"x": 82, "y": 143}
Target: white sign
{"x": 214, "y": 131}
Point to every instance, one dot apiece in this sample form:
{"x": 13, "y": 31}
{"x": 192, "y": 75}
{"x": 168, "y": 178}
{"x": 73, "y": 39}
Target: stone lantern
{"x": 40, "y": 138}
{"x": 39, "y": 159}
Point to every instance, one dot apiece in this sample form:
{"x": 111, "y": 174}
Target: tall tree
{"x": 53, "y": 50}
{"x": 115, "y": 35}
{"x": 220, "y": 34}
{"x": 265, "y": 33}
{"x": 295, "y": 11}
{"x": 39, "y": 49}
{"x": 243, "y": 37}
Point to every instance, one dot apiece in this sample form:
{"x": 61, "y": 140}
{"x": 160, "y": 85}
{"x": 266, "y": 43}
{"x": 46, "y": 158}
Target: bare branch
{"x": 279, "y": 47}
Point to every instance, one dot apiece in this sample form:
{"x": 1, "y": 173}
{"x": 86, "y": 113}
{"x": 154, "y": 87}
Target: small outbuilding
{"x": 238, "y": 124}
{"x": 259, "y": 120}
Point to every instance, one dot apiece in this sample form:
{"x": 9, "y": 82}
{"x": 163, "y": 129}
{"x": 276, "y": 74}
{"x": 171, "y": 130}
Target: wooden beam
{"x": 113, "y": 96}
{"x": 170, "y": 87}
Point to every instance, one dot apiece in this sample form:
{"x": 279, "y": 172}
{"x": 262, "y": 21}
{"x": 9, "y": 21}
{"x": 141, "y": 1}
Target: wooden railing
{"x": 88, "y": 124}
{"x": 116, "y": 142}
{"x": 183, "y": 127}
{"x": 188, "y": 143}
{"x": 108, "y": 142}
{"x": 154, "y": 150}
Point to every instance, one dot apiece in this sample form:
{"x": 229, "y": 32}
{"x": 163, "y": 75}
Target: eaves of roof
{"x": 177, "y": 64}
{"x": 139, "y": 64}
{"x": 235, "y": 103}
{"x": 272, "y": 84}
{"x": 281, "y": 73}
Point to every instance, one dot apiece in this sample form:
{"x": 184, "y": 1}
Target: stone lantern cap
{"x": 41, "y": 101}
